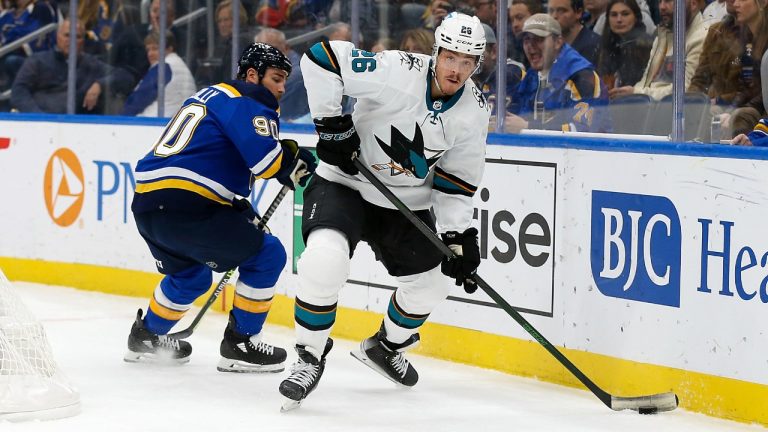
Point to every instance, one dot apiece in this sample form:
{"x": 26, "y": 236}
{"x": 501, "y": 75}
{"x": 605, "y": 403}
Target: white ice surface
{"x": 88, "y": 333}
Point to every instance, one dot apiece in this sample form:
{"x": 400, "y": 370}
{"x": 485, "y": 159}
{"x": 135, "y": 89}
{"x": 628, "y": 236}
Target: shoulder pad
{"x": 259, "y": 93}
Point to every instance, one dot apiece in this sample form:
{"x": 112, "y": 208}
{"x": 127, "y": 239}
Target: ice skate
{"x": 145, "y": 346}
{"x": 305, "y": 374}
{"x": 240, "y": 353}
{"x": 387, "y": 359}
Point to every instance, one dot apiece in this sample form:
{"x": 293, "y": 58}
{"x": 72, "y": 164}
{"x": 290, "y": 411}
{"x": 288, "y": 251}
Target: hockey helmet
{"x": 460, "y": 33}
{"x": 261, "y": 56}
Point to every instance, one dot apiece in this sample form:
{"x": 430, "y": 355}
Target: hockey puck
{"x": 648, "y": 410}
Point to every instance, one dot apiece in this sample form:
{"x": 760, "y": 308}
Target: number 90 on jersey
{"x": 265, "y": 127}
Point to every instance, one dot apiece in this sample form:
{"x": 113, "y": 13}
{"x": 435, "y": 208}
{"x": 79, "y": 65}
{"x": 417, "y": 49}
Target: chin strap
{"x": 434, "y": 78}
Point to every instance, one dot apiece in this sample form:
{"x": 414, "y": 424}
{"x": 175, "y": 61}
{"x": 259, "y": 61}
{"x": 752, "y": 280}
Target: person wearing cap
{"x": 518, "y": 12}
{"x": 658, "y": 76}
{"x": 561, "y": 90}
{"x": 485, "y": 78}
{"x": 419, "y": 127}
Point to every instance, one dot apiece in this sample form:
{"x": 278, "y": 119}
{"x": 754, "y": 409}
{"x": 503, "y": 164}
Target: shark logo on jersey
{"x": 409, "y": 154}
{"x": 411, "y": 61}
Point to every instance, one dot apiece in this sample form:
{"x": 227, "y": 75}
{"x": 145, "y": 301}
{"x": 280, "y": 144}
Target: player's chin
{"x": 451, "y": 86}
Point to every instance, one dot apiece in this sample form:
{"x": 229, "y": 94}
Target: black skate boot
{"x": 240, "y": 353}
{"x": 305, "y": 374}
{"x": 145, "y": 346}
{"x": 387, "y": 358}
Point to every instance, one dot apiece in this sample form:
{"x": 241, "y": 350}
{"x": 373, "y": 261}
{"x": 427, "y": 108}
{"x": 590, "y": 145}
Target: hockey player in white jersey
{"x": 420, "y": 126}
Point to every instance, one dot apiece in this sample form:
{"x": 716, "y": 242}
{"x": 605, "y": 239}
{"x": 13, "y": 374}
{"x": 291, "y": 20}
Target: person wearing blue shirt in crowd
{"x": 179, "y": 83}
{"x": 24, "y": 18}
{"x": 188, "y": 209}
{"x": 561, "y": 90}
{"x": 758, "y": 137}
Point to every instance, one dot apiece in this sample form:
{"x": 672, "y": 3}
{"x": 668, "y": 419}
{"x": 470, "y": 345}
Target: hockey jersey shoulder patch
{"x": 227, "y": 90}
{"x": 411, "y": 61}
{"x": 323, "y": 56}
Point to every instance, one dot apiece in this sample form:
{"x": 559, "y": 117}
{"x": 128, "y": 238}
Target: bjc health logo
{"x": 636, "y": 247}
{"x": 63, "y": 187}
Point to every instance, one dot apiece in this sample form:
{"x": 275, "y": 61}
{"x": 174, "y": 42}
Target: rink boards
{"x": 646, "y": 262}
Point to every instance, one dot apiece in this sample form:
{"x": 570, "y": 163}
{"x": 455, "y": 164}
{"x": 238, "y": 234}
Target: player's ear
{"x": 251, "y": 75}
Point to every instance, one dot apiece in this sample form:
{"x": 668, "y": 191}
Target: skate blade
{"x": 238, "y": 366}
{"x": 360, "y": 355}
{"x": 151, "y": 358}
{"x": 290, "y": 405}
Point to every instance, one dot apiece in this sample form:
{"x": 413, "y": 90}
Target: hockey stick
{"x": 643, "y": 404}
{"x": 187, "y": 332}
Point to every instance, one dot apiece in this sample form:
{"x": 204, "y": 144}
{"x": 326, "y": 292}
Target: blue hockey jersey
{"x": 571, "y": 98}
{"x": 759, "y": 136}
{"x": 221, "y": 140}
{"x": 16, "y": 23}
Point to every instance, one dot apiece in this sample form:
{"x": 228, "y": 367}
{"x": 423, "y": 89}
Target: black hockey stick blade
{"x": 643, "y": 404}
{"x": 648, "y": 404}
{"x": 187, "y": 332}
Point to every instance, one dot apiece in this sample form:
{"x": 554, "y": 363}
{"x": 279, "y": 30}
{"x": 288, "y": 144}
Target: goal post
{"x": 31, "y": 385}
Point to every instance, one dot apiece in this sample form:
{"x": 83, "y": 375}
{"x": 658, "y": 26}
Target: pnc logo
{"x": 63, "y": 187}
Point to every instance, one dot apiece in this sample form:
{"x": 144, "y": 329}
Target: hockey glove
{"x": 339, "y": 143}
{"x": 463, "y": 266}
{"x": 298, "y": 165}
{"x": 244, "y": 207}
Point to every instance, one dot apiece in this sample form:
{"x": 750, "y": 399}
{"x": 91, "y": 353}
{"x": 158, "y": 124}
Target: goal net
{"x": 31, "y": 385}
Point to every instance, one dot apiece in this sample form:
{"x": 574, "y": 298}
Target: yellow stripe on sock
{"x": 164, "y": 312}
{"x": 252, "y": 306}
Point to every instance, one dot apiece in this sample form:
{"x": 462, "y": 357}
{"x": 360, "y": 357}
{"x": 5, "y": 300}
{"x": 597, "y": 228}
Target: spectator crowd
{"x": 569, "y": 65}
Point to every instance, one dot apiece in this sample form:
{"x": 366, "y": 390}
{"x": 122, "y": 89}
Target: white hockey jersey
{"x": 430, "y": 153}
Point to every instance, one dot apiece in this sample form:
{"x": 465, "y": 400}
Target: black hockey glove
{"x": 338, "y": 142}
{"x": 463, "y": 266}
{"x": 244, "y": 207}
{"x": 297, "y": 166}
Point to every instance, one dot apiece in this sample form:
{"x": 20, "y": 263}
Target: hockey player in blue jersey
{"x": 187, "y": 208}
